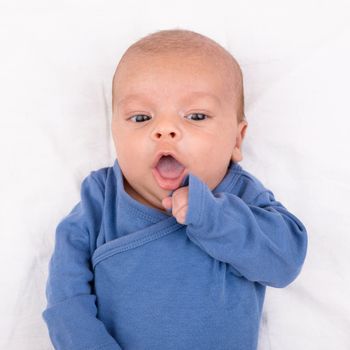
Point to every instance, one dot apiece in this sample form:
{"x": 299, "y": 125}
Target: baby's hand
{"x": 179, "y": 204}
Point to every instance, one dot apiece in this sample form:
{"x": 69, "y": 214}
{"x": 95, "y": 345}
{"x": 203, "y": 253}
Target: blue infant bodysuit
{"x": 124, "y": 275}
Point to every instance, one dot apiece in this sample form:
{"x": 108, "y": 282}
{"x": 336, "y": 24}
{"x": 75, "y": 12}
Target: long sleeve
{"x": 71, "y": 312}
{"x": 259, "y": 239}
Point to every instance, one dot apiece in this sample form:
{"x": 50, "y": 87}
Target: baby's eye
{"x": 139, "y": 117}
{"x": 199, "y": 116}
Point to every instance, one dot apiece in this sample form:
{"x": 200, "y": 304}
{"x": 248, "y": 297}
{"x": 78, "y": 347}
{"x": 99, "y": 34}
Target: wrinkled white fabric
{"x": 56, "y": 65}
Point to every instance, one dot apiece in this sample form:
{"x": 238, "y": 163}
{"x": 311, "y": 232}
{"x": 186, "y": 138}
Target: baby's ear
{"x": 237, "y": 155}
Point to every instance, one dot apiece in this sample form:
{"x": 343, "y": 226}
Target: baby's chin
{"x": 151, "y": 199}
{"x": 157, "y": 203}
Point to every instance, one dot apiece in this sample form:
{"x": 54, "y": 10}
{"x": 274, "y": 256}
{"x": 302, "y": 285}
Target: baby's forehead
{"x": 207, "y": 60}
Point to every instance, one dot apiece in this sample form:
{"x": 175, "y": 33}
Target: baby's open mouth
{"x": 168, "y": 167}
{"x": 169, "y": 172}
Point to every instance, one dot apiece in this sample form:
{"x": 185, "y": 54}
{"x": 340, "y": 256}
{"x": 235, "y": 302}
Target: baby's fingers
{"x": 167, "y": 202}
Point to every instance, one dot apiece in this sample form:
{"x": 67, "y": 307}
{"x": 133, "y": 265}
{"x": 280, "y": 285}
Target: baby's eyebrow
{"x": 145, "y": 97}
{"x": 132, "y": 97}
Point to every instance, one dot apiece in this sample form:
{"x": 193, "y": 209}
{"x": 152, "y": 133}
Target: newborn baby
{"x": 173, "y": 246}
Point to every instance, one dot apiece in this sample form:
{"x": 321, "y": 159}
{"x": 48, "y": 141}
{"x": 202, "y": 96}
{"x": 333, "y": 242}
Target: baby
{"x": 173, "y": 246}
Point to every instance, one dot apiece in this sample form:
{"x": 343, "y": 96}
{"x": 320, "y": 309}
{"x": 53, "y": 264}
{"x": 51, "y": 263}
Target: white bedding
{"x": 56, "y": 65}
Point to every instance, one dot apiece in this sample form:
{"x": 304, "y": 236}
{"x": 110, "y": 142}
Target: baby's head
{"x": 178, "y": 92}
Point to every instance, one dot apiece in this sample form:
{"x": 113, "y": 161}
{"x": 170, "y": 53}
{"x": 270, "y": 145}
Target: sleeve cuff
{"x": 197, "y": 197}
{"x": 73, "y": 324}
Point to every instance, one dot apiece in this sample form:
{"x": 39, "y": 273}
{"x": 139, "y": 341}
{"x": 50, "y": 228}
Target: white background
{"x": 57, "y": 59}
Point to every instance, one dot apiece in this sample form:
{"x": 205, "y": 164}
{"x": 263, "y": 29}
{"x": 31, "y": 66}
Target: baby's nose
{"x": 163, "y": 134}
{"x": 166, "y": 129}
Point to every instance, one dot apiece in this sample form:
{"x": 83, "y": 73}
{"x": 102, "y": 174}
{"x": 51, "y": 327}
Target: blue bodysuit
{"x": 124, "y": 275}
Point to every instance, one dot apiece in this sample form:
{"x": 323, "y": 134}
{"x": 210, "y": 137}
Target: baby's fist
{"x": 179, "y": 204}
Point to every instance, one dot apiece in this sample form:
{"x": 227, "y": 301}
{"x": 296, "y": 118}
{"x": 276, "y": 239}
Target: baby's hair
{"x": 184, "y": 41}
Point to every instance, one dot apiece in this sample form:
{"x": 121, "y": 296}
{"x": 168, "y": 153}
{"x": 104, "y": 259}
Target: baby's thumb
{"x": 166, "y": 202}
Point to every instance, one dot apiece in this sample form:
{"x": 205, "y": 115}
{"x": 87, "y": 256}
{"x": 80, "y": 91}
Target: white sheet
{"x": 56, "y": 66}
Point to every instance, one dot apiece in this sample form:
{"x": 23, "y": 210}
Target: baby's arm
{"x": 71, "y": 313}
{"x": 259, "y": 240}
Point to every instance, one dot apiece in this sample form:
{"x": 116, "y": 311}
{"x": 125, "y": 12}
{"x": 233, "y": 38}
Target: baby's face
{"x": 174, "y": 104}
